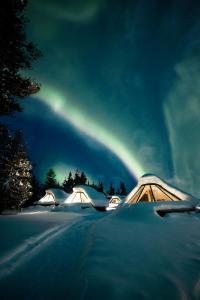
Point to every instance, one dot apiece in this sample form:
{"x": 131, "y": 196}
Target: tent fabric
{"x": 151, "y": 188}
{"x": 115, "y": 200}
{"x": 113, "y": 203}
{"x": 86, "y": 195}
{"x": 53, "y": 196}
{"x": 48, "y": 199}
{"x": 60, "y": 195}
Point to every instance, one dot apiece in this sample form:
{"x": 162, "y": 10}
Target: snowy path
{"x": 42, "y": 260}
{"x": 15, "y": 258}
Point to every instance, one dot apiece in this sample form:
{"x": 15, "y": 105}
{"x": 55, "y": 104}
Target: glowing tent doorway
{"x": 151, "y": 189}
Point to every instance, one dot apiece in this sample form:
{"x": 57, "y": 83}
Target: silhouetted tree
{"x": 93, "y": 185}
{"x": 16, "y": 54}
{"x": 50, "y": 181}
{"x": 83, "y": 178}
{"x": 100, "y": 187}
{"x": 111, "y": 191}
{"x": 122, "y": 189}
{"x": 68, "y": 183}
{"x": 77, "y": 178}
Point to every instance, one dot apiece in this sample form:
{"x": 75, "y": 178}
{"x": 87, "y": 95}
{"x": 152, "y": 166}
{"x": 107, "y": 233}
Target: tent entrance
{"x": 152, "y": 193}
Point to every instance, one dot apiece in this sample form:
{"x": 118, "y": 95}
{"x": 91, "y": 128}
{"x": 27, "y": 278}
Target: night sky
{"x": 120, "y": 92}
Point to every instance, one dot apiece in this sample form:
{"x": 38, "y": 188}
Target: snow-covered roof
{"x": 58, "y": 193}
{"x": 48, "y": 199}
{"x": 156, "y": 181}
{"x": 53, "y": 196}
{"x": 97, "y": 199}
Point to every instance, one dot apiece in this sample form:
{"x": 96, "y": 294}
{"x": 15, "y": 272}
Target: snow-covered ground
{"x": 131, "y": 253}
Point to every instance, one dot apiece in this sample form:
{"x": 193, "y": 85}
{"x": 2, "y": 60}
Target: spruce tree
{"x": 111, "y": 191}
{"x": 93, "y": 185}
{"x": 50, "y": 181}
{"x": 122, "y": 190}
{"x": 77, "y": 178}
{"x": 16, "y": 54}
{"x": 17, "y": 187}
{"x": 83, "y": 178}
{"x": 100, "y": 187}
{"x": 68, "y": 183}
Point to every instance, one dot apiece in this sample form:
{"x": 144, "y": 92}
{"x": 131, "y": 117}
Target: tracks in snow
{"x": 30, "y": 247}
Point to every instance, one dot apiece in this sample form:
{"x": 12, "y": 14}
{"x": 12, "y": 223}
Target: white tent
{"x": 87, "y": 196}
{"x": 151, "y": 188}
{"x": 53, "y": 197}
{"x": 114, "y": 202}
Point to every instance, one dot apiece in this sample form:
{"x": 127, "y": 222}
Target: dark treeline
{"x": 80, "y": 178}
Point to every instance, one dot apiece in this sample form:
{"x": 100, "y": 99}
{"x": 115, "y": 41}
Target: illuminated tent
{"x": 86, "y": 196}
{"x": 151, "y": 188}
{"x": 53, "y": 197}
{"x": 115, "y": 200}
{"x": 113, "y": 203}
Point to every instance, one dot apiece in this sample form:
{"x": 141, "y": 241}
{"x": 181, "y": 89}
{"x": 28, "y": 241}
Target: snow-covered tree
{"x": 17, "y": 171}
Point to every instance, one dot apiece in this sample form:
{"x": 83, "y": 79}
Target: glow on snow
{"x": 65, "y": 110}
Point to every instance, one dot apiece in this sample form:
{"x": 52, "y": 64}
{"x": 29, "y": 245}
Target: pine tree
{"x": 50, "y": 181}
{"x": 93, "y": 185}
{"x": 100, "y": 187}
{"x": 16, "y": 54}
{"x": 122, "y": 189}
{"x": 111, "y": 191}
{"x": 83, "y": 178}
{"x": 77, "y": 178}
{"x": 68, "y": 183}
{"x": 17, "y": 187}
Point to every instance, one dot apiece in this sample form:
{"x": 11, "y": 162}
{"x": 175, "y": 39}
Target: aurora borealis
{"x": 120, "y": 89}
